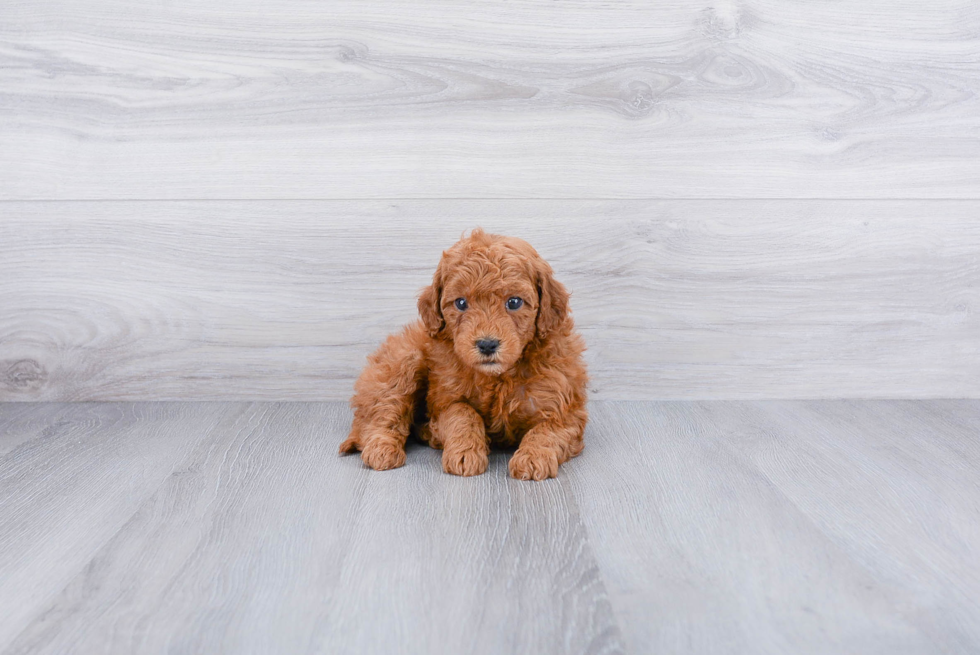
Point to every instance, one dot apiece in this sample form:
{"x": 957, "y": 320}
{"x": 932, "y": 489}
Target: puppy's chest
{"x": 507, "y": 409}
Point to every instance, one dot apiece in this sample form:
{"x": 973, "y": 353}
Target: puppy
{"x": 494, "y": 361}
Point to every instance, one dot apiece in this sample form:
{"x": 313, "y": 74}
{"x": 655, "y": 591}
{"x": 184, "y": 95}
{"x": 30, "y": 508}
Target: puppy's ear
{"x": 429, "y": 309}
{"x": 553, "y": 301}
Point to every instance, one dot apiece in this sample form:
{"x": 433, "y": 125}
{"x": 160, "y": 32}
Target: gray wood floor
{"x": 685, "y": 527}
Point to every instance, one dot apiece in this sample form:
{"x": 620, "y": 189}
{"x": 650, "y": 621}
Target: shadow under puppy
{"x": 494, "y": 361}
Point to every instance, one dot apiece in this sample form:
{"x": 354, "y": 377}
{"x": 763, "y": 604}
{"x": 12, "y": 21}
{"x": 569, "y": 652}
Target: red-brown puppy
{"x": 494, "y": 360}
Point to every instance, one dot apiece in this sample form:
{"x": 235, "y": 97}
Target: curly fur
{"x": 431, "y": 379}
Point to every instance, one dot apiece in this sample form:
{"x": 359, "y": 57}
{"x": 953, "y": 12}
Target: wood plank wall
{"x": 237, "y": 200}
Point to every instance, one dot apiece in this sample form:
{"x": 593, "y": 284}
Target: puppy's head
{"x": 491, "y": 296}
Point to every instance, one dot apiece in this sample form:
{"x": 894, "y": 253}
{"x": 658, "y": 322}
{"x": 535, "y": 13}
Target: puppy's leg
{"x": 380, "y": 449}
{"x": 466, "y": 450}
{"x": 428, "y": 436}
{"x": 384, "y": 401}
{"x": 544, "y": 447}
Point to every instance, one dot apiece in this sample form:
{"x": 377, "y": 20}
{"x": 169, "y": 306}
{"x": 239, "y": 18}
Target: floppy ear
{"x": 553, "y": 302}
{"x": 429, "y": 309}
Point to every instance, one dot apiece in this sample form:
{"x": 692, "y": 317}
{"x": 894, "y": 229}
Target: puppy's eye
{"x": 514, "y": 303}
{"x": 461, "y": 304}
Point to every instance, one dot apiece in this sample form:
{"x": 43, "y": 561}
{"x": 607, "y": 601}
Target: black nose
{"x": 488, "y": 346}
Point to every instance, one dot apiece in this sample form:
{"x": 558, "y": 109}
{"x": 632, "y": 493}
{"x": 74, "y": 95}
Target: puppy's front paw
{"x": 465, "y": 461}
{"x": 383, "y": 455}
{"x": 538, "y": 464}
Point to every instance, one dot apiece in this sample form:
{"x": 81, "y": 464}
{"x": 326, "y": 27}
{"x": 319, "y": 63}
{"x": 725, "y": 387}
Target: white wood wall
{"x": 235, "y": 200}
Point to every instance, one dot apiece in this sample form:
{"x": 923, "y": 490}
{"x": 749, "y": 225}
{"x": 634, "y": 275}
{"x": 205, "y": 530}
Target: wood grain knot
{"x": 24, "y": 374}
{"x": 722, "y": 22}
{"x": 640, "y": 98}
